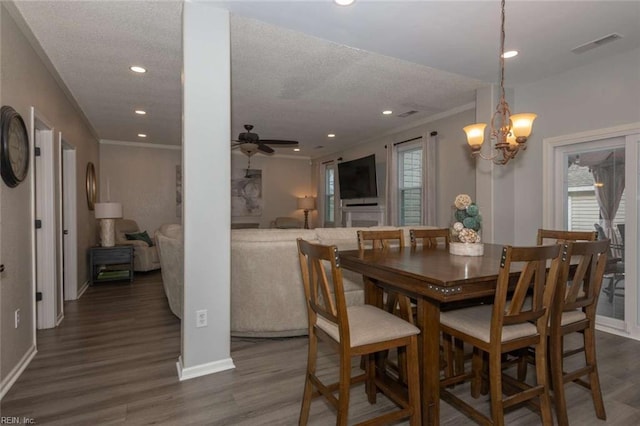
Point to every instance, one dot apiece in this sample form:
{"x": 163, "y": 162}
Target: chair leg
{"x": 308, "y": 386}
{"x": 476, "y": 368}
{"x": 370, "y": 367}
{"x": 495, "y": 385}
{"x": 557, "y": 377}
{"x": 343, "y": 390}
{"x": 413, "y": 383}
{"x": 594, "y": 380}
{"x": 542, "y": 379}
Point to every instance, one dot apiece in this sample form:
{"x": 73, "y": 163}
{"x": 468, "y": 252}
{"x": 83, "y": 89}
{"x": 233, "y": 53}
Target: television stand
{"x": 362, "y": 204}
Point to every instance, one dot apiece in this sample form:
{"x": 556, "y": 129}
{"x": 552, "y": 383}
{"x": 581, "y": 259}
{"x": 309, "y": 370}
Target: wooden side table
{"x": 110, "y": 264}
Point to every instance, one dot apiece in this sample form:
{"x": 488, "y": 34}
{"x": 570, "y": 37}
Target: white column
{"x": 207, "y": 200}
{"x": 494, "y": 183}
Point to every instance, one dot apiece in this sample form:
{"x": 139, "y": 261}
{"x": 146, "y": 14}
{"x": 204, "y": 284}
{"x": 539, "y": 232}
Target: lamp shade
{"x": 475, "y": 134}
{"x": 108, "y": 210}
{"x": 522, "y": 124}
{"x": 307, "y": 203}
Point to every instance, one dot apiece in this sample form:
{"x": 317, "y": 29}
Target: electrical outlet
{"x": 201, "y": 318}
{"x": 17, "y": 317}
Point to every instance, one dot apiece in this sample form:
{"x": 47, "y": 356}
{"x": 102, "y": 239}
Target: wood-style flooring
{"x": 112, "y": 361}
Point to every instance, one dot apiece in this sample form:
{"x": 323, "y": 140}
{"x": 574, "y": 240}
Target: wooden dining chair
{"x": 505, "y": 326}
{"x": 394, "y": 303}
{"x": 360, "y": 330}
{"x": 561, "y": 235}
{"x": 429, "y": 238}
{"x": 380, "y": 239}
{"x": 574, "y": 311}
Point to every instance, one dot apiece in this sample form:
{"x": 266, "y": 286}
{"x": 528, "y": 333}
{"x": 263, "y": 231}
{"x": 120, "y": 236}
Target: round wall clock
{"x": 14, "y": 147}
{"x": 91, "y": 186}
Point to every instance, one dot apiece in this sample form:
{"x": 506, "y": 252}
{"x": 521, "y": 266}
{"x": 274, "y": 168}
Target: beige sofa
{"x": 267, "y": 297}
{"x": 170, "y": 243}
{"x": 145, "y": 257}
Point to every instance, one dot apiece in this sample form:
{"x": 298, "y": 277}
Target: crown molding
{"x": 140, "y": 144}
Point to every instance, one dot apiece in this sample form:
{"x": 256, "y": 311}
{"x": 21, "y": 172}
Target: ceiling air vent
{"x": 407, "y": 114}
{"x": 595, "y": 43}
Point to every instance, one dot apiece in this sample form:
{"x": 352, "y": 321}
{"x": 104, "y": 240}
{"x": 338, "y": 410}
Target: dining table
{"x": 436, "y": 279}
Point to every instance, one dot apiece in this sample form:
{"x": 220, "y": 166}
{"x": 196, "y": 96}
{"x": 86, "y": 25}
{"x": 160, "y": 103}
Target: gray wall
{"x": 143, "y": 179}
{"x": 595, "y": 96}
{"x": 455, "y": 166}
{"x": 25, "y": 81}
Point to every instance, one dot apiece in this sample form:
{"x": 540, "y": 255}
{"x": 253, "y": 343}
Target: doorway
{"x": 68, "y": 227}
{"x": 591, "y": 182}
{"x": 49, "y": 296}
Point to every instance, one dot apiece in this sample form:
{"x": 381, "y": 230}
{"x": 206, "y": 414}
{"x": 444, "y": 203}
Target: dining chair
{"x": 360, "y": 330}
{"x": 505, "y": 326}
{"x": 429, "y": 238}
{"x": 397, "y": 304}
{"x": 574, "y": 311}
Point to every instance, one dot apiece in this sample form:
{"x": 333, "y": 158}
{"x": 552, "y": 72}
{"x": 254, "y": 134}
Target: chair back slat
{"x": 315, "y": 260}
{"x": 430, "y": 238}
{"x": 561, "y": 235}
{"x": 381, "y": 239}
{"x": 579, "y": 286}
{"x": 533, "y": 276}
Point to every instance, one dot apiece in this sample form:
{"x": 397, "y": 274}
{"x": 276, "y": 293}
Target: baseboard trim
{"x": 17, "y": 371}
{"x": 84, "y": 288}
{"x": 203, "y": 369}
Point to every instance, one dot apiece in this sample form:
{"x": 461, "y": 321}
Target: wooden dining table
{"x": 436, "y": 279}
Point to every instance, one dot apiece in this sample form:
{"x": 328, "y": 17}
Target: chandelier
{"x": 510, "y": 132}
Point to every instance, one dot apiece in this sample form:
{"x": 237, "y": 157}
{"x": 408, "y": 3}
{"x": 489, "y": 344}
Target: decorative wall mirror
{"x": 91, "y": 186}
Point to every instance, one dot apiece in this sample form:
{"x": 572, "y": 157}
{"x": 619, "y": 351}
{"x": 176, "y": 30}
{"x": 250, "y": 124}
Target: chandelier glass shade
{"x": 509, "y": 132}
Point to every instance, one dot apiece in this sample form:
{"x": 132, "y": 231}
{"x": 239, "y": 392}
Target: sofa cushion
{"x": 343, "y": 238}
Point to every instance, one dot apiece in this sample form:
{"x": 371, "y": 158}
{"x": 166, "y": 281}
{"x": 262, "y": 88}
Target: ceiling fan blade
{"x": 278, "y": 142}
{"x": 265, "y": 149}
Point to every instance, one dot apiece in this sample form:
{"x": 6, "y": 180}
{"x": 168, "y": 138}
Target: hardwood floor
{"x": 112, "y": 361}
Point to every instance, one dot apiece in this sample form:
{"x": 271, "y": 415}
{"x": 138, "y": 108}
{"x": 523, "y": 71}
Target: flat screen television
{"x": 357, "y": 178}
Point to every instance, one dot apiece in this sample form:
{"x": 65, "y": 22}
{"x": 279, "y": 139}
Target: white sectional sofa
{"x": 267, "y": 296}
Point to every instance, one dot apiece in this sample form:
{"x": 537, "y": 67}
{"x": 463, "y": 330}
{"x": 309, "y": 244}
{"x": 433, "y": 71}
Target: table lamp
{"x": 306, "y": 204}
{"x": 107, "y": 212}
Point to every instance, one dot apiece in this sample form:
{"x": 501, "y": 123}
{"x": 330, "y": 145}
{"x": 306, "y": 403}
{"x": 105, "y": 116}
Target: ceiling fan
{"x": 250, "y": 143}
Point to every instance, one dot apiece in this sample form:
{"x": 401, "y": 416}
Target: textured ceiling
{"x": 302, "y": 69}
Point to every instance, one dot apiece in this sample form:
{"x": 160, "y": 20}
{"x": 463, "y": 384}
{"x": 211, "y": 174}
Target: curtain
{"x": 429, "y": 176}
{"x": 391, "y": 186}
{"x": 609, "y": 178}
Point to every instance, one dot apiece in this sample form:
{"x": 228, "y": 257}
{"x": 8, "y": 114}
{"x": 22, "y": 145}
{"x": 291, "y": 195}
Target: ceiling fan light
{"x": 344, "y": 2}
{"x": 521, "y": 124}
{"x": 475, "y": 135}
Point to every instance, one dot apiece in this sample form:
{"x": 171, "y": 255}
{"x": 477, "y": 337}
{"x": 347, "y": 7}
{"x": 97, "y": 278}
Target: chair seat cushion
{"x": 476, "y": 322}
{"x": 368, "y": 324}
{"x": 570, "y": 317}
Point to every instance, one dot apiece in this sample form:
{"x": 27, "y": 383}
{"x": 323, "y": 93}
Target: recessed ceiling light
{"x": 296, "y": 149}
{"x": 387, "y": 112}
{"x": 510, "y": 54}
{"x": 142, "y": 135}
{"x": 141, "y": 112}
{"x": 138, "y": 69}
{"x": 331, "y": 135}
{"x": 344, "y": 2}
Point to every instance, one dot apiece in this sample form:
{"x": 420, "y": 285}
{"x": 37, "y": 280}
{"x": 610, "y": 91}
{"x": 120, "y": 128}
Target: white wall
{"x": 455, "y": 166}
{"x": 283, "y": 180}
{"x": 26, "y": 81}
{"x": 143, "y": 179}
{"x": 595, "y": 96}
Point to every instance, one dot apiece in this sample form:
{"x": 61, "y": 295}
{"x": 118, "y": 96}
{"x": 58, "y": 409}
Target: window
{"x": 410, "y": 185}
{"x": 329, "y": 194}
